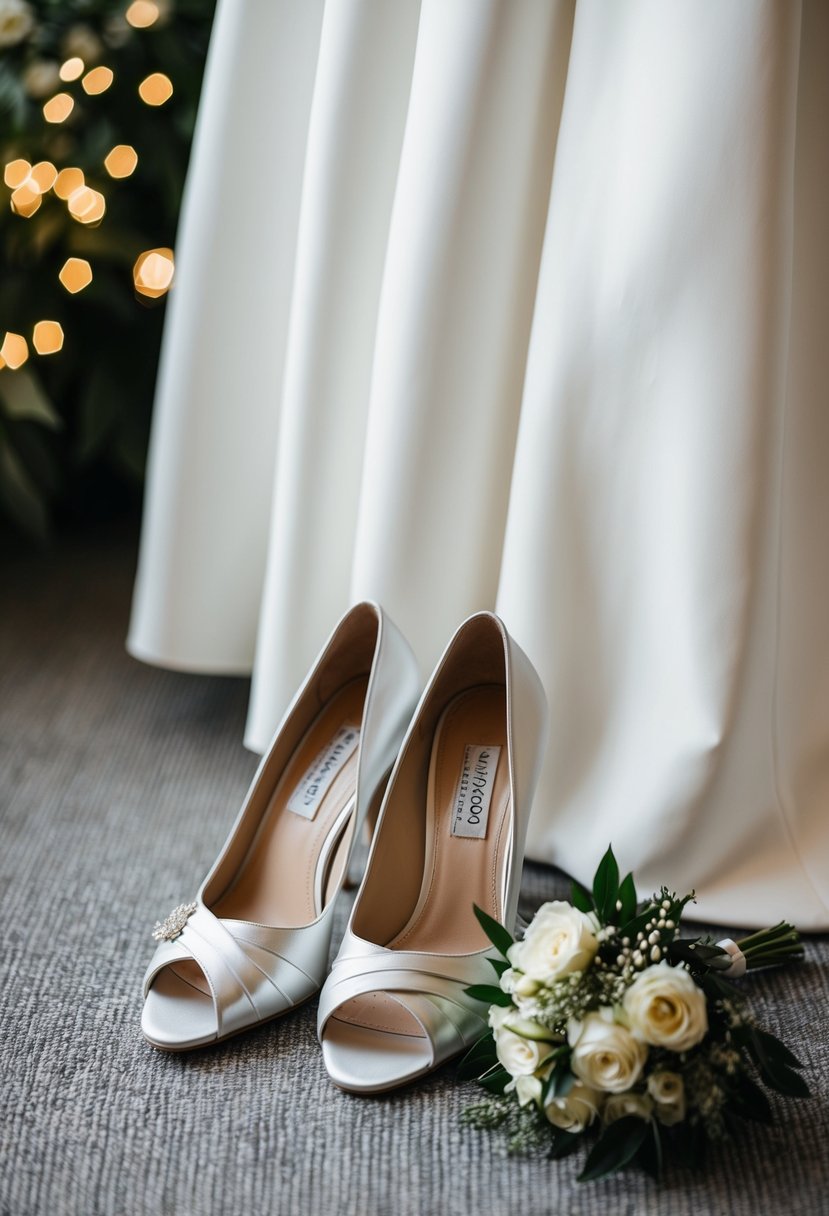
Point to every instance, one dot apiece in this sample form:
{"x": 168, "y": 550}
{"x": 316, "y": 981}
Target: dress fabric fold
{"x": 484, "y": 304}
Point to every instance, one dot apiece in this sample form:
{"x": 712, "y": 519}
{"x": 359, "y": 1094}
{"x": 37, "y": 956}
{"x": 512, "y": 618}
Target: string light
{"x": 155, "y": 89}
{"x": 58, "y": 108}
{"x": 14, "y": 351}
{"x": 68, "y": 181}
{"x": 141, "y": 14}
{"x": 71, "y": 69}
{"x": 75, "y": 274}
{"x": 153, "y": 272}
{"x": 86, "y": 205}
{"x": 16, "y": 172}
{"x": 26, "y": 199}
{"x": 121, "y": 161}
{"x": 97, "y": 81}
{"x": 154, "y": 269}
{"x": 47, "y": 337}
{"x": 44, "y": 174}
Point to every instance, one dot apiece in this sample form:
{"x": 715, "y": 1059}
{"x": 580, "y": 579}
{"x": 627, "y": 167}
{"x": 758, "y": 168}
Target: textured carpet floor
{"x": 117, "y": 785}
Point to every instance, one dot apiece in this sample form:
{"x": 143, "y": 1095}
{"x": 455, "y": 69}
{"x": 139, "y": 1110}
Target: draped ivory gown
{"x": 520, "y": 304}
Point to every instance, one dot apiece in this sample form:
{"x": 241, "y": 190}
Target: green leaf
{"x": 606, "y": 887}
{"x": 773, "y": 1048}
{"x": 717, "y": 988}
{"x": 495, "y": 1082}
{"x": 565, "y": 1143}
{"x": 699, "y": 953}
{"x": 650, "y": 1155}
{"x": 99, "y": 412}
{"x": 772, "y": 1060}
{"x": 499, "y": 965}
{"x": 616, "y": 1147}
{"x": 559, "y": 1083}
{"x": 632, "y": 927}
{"x": 24, "y": 399}
{"x": 691, "y": 1146}
{"x": 20, "y": 495}
{"x": 480, "y": 1057}
{"x": 749, "y": 1101}
{"x": 628, "y": 899}
{"x": 581, "y": 898}
{"x": 497, "y": 934}
{"x": 785, "y": 1080}
{"x": 489, "y": 994}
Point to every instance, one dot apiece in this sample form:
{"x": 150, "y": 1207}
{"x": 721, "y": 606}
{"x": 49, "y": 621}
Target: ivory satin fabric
{"x": 521, "y": 304}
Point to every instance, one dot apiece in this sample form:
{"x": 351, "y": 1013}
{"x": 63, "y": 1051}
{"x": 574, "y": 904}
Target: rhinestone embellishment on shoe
{"x": 169, "y": 929}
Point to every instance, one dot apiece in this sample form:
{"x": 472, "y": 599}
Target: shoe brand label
{"x": 474, "y": 793}
{"x": 316, "y": 781}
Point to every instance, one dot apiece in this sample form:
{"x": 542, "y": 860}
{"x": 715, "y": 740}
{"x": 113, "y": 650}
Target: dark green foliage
{"x": 615, "y": 1148}
{"x": 69, "y": 417}
{"x": 497, "y": 934}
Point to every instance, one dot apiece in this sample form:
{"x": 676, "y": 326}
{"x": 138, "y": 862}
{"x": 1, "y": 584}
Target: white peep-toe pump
{"x": 255, "y": 941}
{"x": 450, "y": 835}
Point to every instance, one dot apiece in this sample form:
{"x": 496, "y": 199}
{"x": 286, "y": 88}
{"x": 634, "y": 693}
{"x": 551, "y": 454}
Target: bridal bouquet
{"x": 605, "y": 1020}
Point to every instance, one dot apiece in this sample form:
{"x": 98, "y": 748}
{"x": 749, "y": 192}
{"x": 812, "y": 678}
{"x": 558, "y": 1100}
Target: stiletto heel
{"x": 451, "y": 834}
{"x": 351, "y": 883}
{"x": 255, "y": 941}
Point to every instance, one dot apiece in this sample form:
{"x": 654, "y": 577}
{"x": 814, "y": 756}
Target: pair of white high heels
{"x": 449, "y": 834}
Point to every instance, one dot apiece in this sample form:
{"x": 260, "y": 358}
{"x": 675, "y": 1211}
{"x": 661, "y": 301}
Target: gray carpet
{"x": 117, "y": 785}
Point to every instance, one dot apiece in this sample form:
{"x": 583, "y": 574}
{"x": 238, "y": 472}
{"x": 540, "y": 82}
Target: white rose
{"x": 527, "y": 1089}
{"x": 618, "y": 1106}
{"x": 559, "y": 941}
{"x": 575, "y": 1111}
{"x": 666, "y": 1008}
{"x": 16, "y": 21}
{"x": 605, "y": 1054}
{"x": 41, "y": 78}
{"x": 497, "y": 1014}
{"x": 520, "y": 1056}
{"x": 668, "y": 1092}
{"x": 517, "y": 984}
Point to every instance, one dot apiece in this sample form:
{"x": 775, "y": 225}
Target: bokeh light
{"x": 58, "y": 108}
{"x": 75, "y": 274}
{"x": 44, "y": 174}
{"x": 97, "y": 81}
{"x": 141, "y": 14}
{"x": 86, "y": 205}
{"x": 47, "y": 337}
{"x": 68, "y": 181}
{"x": 26, "y": 199}
{"x": 153, "y": 272}
{"x": 155, "y": 89}
{"x": 14, "y": 351}
{"x": 121, "y": 161}
{"x": 16, "y": 172}
{"x": 71, "y": 69}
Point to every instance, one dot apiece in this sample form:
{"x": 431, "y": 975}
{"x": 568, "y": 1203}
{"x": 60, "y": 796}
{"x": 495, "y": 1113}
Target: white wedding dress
{"x": 521, "y": 305}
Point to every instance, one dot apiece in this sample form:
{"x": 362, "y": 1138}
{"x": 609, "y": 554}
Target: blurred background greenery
{"x": 74, "y": 423}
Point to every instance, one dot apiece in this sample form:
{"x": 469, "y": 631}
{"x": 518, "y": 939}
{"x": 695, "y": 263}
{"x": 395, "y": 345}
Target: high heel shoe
{"x": 450, "y": 834}
{"x": 255, "y": 941}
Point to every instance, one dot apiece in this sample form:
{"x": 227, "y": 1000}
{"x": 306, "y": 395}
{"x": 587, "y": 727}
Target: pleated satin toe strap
{"x": 433, "y": 1006}
{"x": 251, "y": 973}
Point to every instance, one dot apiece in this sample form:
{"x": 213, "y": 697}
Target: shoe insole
{"x": 467, "y": 834}
{"x": 297, "y": 857}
